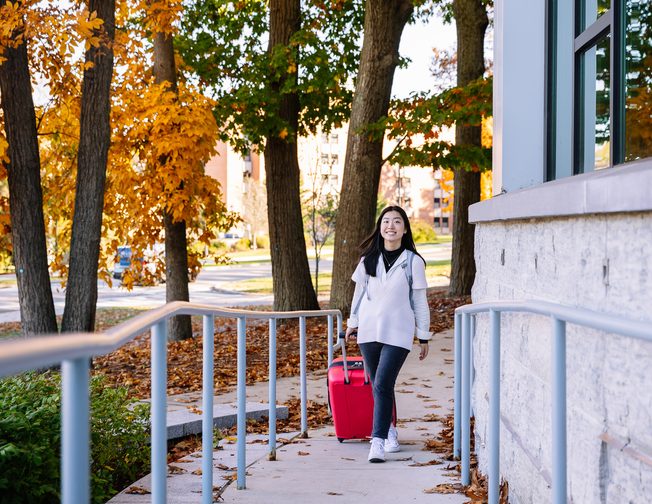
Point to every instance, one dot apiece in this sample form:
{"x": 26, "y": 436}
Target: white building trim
{"x": 625, "y": 188}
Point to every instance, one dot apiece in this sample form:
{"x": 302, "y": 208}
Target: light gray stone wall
{"x": 599, "y": 262}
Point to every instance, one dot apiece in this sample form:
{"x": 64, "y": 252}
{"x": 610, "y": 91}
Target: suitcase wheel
{"x": 340, "y": 439}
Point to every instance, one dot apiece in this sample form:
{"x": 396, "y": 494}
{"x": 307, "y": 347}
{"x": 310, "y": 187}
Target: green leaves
{"x": 30, "y": 439}
{"x": 418, "y": 122}
{"x": 224, "y": 46}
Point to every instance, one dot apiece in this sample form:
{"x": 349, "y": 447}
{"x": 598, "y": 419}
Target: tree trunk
{"x": 176, "y": 245}
{"x": 290, "y": 270}
{"x": 25, "y": 195}
{"x": 94, "y": 141}
{"x": 384, "y": 22}
{"x": 471, "y": 21}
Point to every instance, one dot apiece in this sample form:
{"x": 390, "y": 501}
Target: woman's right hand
{"x": 351, "y": 333}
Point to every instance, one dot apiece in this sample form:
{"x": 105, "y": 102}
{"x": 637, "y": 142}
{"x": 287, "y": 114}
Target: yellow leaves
{"x": 486, "y": 185}
{"x": 292, "y": 68}
{"x": 283, "y": 134}
{"x": 88, "y": 27}
{"x": 4, "y": 156}
{"x": 12, "y": 29}
{"x": 160, "y": 140}
{"x": 161, "y": 15}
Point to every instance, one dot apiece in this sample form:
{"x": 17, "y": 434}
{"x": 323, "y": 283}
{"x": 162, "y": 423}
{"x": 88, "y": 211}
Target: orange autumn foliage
{"x": 486, "y": 177}
{"x": 149, "y": 123}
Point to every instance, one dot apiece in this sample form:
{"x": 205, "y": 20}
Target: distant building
{"x": 416, "y": 189}
{"x": 232, "y": 170}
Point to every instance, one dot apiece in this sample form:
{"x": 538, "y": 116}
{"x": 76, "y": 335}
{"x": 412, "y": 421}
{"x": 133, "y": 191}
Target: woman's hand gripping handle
{"x": 351, "y": 333}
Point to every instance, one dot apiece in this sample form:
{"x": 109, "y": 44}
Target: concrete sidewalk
{"x": 321, "y": 470}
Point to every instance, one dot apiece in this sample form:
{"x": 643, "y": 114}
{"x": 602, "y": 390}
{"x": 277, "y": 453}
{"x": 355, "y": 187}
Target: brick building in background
{"x": 321, "y": 158}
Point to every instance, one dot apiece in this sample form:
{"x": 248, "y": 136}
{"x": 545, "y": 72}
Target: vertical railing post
{"x": 466, "y": 399}
{"x": 75, "y": 435}
{"x": 241, "y": 399}
{"x": 472, "y": 367}
{"x": 207, "y": 413}
{"x": 494, "y": 408}
{"x": 330, "y": 340}
{"x": 272, "y": 389}
{"x": 559, "y": 483}
{"x": 457, "y": 384}
{"x": 159, "y": 412}
{"x": 302, "y": 365}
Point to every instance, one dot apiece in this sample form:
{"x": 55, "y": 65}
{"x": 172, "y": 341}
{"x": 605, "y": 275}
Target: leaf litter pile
{"x": 130, "y": 365}
{"x": 442, "y": 444}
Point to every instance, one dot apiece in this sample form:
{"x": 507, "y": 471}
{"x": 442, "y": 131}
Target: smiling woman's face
{"x": 392, "y": 229}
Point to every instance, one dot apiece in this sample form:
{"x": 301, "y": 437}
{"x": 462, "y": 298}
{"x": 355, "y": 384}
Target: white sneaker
{"x": 391, "y": 443}
{"x": 377, "y": 452}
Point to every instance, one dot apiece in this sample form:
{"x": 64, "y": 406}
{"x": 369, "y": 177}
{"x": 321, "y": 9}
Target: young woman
{"x": 385, "y": 313}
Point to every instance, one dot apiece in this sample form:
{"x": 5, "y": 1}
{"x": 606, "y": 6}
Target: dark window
{"x": 611, "y": 70}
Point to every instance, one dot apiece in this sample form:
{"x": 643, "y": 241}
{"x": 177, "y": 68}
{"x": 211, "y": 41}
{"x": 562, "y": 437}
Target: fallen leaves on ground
{"x": 137, "y": 490}
{"x": 442, "y": 443}
{"x": 130, "y": 365}
{"x": 436, "y": 445}
{"x": 429, "y": 463}
{"x": 442, "y": 309}
{"x": 317, "y": 416}
{"x": 445, "y": 488}
{"x": 184, "y": 447}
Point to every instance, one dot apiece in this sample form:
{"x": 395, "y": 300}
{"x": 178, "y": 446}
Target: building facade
{"x": 570, "y": 222}
{"x": 321, "y": 160}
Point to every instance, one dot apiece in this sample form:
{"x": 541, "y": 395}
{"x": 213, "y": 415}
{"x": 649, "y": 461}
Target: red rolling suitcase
{"x": 350, "y": 397}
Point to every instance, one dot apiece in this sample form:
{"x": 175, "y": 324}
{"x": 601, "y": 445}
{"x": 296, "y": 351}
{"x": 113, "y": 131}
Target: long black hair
{"x": 372, "y": 246}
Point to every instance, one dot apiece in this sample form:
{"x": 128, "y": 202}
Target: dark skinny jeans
{"x": 383, "y": 363}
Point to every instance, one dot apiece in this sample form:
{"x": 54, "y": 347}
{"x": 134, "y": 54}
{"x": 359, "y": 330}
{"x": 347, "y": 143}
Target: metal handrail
{"x": 74, "y": 351}
{"x": 560, "y": 315}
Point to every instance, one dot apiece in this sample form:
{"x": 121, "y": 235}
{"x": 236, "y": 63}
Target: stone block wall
{"x": 598, "y": 262}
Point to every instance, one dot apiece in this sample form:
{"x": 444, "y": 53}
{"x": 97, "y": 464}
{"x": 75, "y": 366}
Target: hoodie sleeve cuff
{"x": 423, "y": 335}
{"x": 352, "y": 321}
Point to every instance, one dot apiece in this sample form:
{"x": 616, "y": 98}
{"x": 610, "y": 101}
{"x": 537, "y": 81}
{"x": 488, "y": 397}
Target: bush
{"x": 422, "y": 232}
{"x": 217, "y": 246}
{"x": 262, "y": 241}
{"x": 30, "y": 439}
{"x": 241, "y": 245}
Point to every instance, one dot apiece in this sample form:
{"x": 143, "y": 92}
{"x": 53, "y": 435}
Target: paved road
{"x": 208, "y": 288}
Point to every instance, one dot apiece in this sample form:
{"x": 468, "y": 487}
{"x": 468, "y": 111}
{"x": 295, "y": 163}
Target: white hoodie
{"x": 385, "y": 314}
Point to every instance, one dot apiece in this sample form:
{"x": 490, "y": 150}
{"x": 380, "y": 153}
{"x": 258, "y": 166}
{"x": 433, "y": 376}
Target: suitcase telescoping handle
{"x": 346, "y": 368}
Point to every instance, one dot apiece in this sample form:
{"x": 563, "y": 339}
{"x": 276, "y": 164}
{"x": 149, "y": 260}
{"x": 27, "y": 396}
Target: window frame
{"x": 611, "y": 23}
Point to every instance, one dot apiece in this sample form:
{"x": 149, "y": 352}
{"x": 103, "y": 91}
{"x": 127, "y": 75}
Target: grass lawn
{"x": 104, "y": 319}
{"x": 262, "y": 255}
{"x": 264, "y": 285}
{"x": 435, "y": 270}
